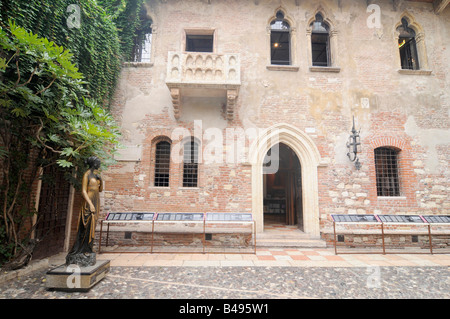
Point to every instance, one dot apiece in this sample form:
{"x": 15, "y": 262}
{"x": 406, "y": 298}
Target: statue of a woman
{"x": 82, "y": 252}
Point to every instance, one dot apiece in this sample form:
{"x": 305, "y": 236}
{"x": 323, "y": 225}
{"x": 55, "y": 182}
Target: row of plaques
{"x": 430, "y": 219}
{"x": 145, "y": 216}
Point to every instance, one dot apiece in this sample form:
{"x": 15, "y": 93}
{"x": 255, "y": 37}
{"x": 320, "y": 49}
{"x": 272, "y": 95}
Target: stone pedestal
{"x": 76, "y": 278}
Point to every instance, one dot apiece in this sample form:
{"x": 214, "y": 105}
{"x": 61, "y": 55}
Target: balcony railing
{"x": 190, "y": 71}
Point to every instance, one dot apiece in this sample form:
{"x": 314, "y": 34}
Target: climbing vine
{"x": 94, "y": 41}
{"x": 46, "y": 119}
{"x": 59, "y": 65}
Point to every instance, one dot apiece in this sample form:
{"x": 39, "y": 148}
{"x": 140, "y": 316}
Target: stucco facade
{"x": 237, "y": 105}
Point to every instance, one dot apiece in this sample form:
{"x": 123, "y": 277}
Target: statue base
{"x": 82, "y": 259}
{"x": 77, "y": 278}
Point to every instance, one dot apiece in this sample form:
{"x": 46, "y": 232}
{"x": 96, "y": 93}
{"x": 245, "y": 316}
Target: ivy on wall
{"x": 94, "y": 41}
{"x": 59, "y": 65}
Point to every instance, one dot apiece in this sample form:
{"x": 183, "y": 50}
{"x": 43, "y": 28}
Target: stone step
{"x": 295, "y": 236}
{"x": 291, "y": 240}
{"x": 312, "y": 243}
{"x": 282, "y": 236}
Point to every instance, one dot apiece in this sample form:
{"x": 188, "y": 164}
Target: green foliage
{"x": 129, "y": 22}
{"x": 56, "y": 83}
{"x": 44, "y": 110}
{"x": 43, "y": 88}
{"x": 95, "y": 44}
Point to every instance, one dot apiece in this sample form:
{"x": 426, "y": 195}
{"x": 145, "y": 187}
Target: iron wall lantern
{"x": 354, "y": 146}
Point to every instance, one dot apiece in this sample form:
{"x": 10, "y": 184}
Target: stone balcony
{"x": 199, "y": 74}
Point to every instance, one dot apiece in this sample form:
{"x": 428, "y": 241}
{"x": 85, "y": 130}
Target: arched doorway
{"x": 282, "y": 188}
{"x": 309, "y": 157}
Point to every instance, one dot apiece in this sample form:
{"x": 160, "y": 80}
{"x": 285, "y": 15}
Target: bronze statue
{"x": 82, "y": 252}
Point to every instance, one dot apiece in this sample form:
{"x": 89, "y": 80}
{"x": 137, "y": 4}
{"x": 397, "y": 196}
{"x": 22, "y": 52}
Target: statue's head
{"x": 93, "y": 162}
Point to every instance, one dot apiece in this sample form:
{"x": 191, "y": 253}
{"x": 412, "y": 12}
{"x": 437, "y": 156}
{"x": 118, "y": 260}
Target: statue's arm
{"x": 100, "y": 189}
{"x": 84, "y": 193}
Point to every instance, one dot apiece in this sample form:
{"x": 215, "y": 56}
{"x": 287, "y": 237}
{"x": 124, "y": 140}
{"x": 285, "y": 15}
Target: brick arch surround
{"x": 310, "y": 159}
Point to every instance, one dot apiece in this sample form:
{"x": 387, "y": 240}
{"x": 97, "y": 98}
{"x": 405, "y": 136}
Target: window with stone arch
{"x": 387, "y": 171}
{"x": 411, "y": 46}
{"x": 280, "y": 40}
{"x": 322, "y": 38}
{"x": 162, "y": 164}
{"x": 408, "y": 46}
{"x": 190, "y": 163}
{"x": 320, "y": 42}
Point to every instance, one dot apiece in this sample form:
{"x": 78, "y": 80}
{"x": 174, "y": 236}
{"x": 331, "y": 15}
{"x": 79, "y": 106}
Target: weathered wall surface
{"x": 406, "y": 111}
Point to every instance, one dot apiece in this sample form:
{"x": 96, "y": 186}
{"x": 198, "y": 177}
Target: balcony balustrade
{"x": 203, "y": 75}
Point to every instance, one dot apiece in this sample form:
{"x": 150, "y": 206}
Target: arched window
{"x": 407, "y": 46}
{"x": 190, "y": 164}
{"x": 280, "y": 40}
{"x": 320, "y": 42}
{"x": 386, "y": 168}
{"x": 162, "y": 164}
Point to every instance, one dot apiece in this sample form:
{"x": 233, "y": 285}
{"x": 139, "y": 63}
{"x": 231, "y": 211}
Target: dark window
{"x": 190, "y": 164}
{"x": 199, "y": 43}
{"x": 162, "y": 164}
{"x": 407, "y": 46}
{"x": 320, "y": 42}
{"x": 386, "y": 167}
{"x": 280, "y": 38}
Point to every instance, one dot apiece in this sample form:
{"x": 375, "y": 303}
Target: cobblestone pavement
{"x": 249, "y": 283}
{"x": 252, "y": 277}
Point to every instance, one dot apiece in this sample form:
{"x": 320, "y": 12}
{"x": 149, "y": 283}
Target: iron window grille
{"x": 387, "y": 176}
{"x": 190, "y": 164}
{"x": 162, "y": 164}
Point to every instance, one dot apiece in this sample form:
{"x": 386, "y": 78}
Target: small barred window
{"x": 190, "y": 164}
{"x": 162, "y": 164}
{"x": 386, "y": 167}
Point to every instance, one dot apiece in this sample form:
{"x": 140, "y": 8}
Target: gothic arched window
{"x": 280, "y": 40}
{"x": 320, "y": 42}
{"x": 407, "y": 46}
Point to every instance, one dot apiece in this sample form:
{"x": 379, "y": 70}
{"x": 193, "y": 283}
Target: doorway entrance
{"x": 308, "y": 155}
{"x": 282, "y": 187}
{"x": 53, "y": 207}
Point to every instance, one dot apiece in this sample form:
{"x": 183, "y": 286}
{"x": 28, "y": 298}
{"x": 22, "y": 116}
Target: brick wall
{"x": 408, "y": 112}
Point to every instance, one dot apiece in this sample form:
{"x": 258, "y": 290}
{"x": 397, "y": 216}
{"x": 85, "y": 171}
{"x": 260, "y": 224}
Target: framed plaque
{"x": 232, "y": 217}
{"x": 179, "y": 217}
{"x": 145, "y": 216}
{"x": 437, "y": 219}
{"x": 355, "y": 218}
{"x": 407, "y": 219}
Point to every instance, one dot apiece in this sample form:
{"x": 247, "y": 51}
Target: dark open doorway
{"x": 283, "y": 188}
{"x": 52, "y": 214}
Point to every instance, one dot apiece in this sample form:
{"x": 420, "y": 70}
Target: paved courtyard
{"x": 268, "y": 274}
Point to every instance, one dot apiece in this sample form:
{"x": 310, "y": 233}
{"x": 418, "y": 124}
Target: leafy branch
{"x": 49, "y": 116}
